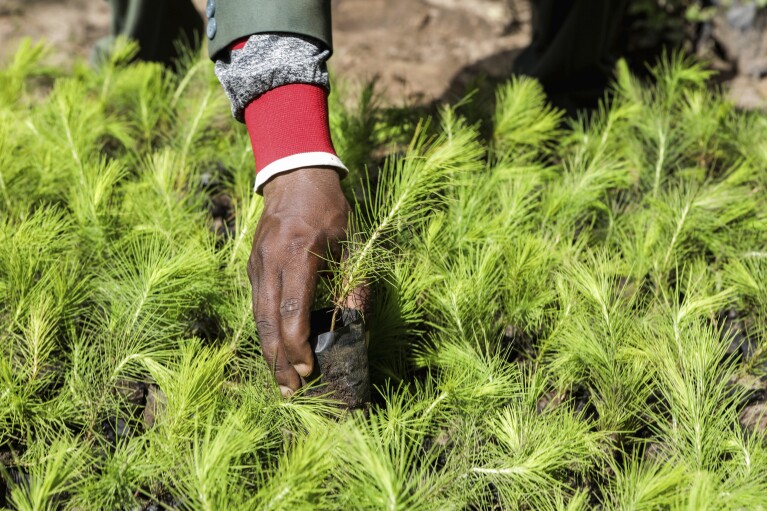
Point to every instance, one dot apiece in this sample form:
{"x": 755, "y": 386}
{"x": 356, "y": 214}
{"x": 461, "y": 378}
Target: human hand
{"x": 305, "y": 217}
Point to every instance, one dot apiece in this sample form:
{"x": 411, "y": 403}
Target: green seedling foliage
{"x": 568, "y": 315}
{"x": 54, "y": 470}
{"x": 524, "y": 121}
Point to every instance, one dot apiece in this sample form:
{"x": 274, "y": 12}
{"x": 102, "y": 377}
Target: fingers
{"x": 359, "y": 299}
{"x": 299, "y": 281}
{"x": 284, "y": 374}
{"x": 283, "y": 294}
{"x": 266, "y": 310}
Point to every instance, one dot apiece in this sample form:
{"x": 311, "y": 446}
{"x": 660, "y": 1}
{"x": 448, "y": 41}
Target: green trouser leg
{"x": 571, "y": 50}
{"x": 159, "y": 26}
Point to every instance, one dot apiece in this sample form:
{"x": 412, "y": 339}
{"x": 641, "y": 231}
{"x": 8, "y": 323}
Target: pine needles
{"x": 568, "y": 316}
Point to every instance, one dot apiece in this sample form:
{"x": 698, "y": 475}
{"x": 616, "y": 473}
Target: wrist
{"x": 286, "y": 189}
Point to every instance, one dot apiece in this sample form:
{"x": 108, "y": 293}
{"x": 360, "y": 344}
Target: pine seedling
{"x": 416, "y": 411}
{"x": 472, "y": 375}
{"x": 191, "y": 385}
{"x": 529, "y": 295}
{"x": 259, "y": 398}
{"x": 31, "y": 403}
{"x": 572, "y": 203}
{"x": 687, "y": 219}
{"x": 52, "y": 473}
{"x": 34, "y": 352}
{"x": 98, "y": 369}
{"x": 529, "y": 455}
{"x": 24, "y": 65}
{"x": 465, "y": 301}
{"x": 115, "y": 476}
{"x": 23, "y": 414}
{"x": 29, "y": 248}
{"x": 524, "y": 124}
{"x": 704, "y": 112}
{"x": 699, "y": 406}
{"x": 164, "y": 199}
{"x": 386, "y": 470}
{"x": 28, "y": 176}
{"x": 655, "y": 144}
{"x": 408, "y": 189}
{"x": 743, "y": 472}
{"x": 198, "y": 114}
{"x": 676, "y": 75}
{"x": 154, "y": 286}
{"x": 300, "y": 479}
{"x": 472, "y": 218}
{"x": 645, "y": 485}
{"x": 71, "y": 129}
{"x": 142, "y": 93}
{"x": 90, "y": 201}
{"x": 39, "y": 293}
{"x": 595, "y": 342}
{"x": 211, "y": 475}
{"x": 122, "y": 53}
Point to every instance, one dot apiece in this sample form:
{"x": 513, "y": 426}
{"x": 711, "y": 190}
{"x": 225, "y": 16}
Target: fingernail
{"x": 286, "y": 391}
{"x": 303, "y": 370}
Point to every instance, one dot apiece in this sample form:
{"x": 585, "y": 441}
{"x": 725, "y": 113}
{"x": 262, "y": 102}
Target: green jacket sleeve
{"x": 229, "y": 20}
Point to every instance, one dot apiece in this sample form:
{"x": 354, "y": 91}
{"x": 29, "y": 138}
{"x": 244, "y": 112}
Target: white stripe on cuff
{"x": 297, "y": 161}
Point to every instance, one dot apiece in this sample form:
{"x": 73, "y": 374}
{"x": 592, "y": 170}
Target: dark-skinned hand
{"x": 305, "y": 218}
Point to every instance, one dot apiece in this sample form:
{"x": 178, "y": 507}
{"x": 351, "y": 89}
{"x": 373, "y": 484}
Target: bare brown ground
{"x": 70, "y": 26}
{"x": 414, "y": 48}
{"x": 418, "y": 50}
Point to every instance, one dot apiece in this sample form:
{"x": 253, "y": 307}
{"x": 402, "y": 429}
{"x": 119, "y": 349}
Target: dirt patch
{"x": 753, "y": 415}
{"x": 417, "y": 50}
{"x": 70, "y": 26}
{"x": 414, "y": 48}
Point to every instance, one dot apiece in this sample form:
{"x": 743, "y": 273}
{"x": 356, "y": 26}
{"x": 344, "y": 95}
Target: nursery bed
{"x": 568, "y": 314}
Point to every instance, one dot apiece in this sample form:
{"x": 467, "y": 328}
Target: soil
{"x": 70, "y": 26}
{"x": 753, "y": 413}
{"x": 418, "y": 51}
{"x": 415, "y": 49}
{"x": 341, "y": 359}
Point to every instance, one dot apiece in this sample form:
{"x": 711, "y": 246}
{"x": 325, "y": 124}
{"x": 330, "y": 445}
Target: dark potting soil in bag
{"x": 340, "y": 358}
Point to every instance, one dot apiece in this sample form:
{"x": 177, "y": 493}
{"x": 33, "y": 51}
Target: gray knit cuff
{"x": 268, "y": 61}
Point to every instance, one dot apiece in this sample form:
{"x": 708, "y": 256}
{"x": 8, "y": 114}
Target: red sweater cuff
{"x": 287, "y": 121}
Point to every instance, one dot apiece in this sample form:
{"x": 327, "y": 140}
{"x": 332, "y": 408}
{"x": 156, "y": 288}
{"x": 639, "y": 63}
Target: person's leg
{"x": 157, "y": 25}
{"x": 572, "y": 49}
